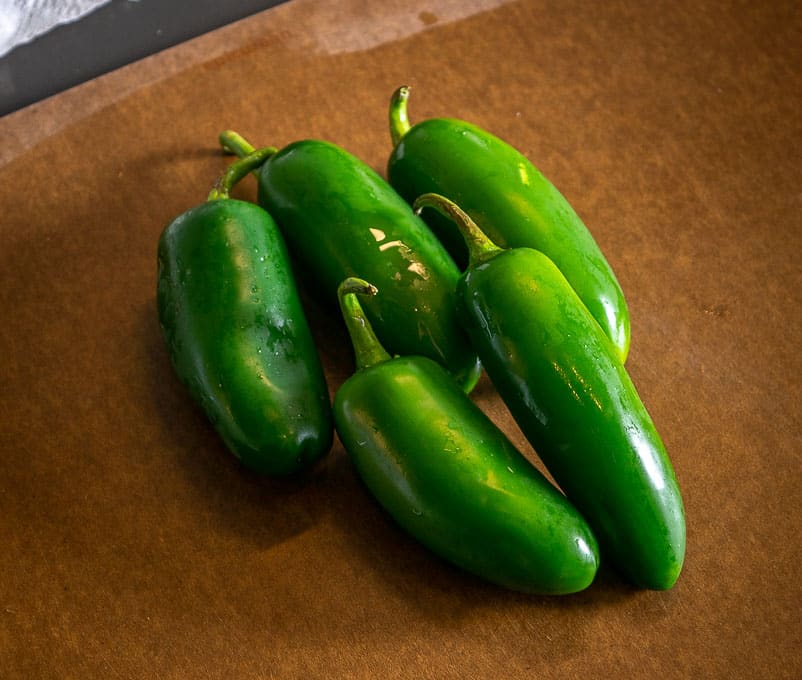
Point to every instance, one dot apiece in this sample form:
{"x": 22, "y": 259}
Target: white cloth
{"x": 23, "y": 20}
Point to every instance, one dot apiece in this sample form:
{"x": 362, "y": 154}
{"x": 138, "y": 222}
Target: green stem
{"x": 480, "y": 247}
{"x": 399, "y": 122}
{"x": 237, "y": 170}
{"x": 367, "y": 348}
{"x": 235, "y": 143}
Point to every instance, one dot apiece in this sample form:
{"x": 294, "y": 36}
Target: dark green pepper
{"x": 341, "y": 219}
{"x": 449, "y": 476}
{"x": 510, "y": 200}
{"x": 236, "y": 332}
{"x": 573, "y": 400}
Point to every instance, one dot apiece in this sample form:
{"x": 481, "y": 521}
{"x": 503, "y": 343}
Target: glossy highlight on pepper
{"x": 573, "y": 400}
{"x": 236, "y": 332}
{"x": 341, "y": 219}
{"x": 448, "y": 475}
{"x": 510, "y": 200}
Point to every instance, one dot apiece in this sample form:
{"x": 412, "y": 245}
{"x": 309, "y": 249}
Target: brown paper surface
{"x": 132, "y": 545}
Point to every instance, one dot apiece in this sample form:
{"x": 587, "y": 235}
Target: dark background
{"x": 113, "y": 35}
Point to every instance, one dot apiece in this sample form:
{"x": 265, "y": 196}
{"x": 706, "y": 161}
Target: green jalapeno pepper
{"x": 510, "y": 200}
{"x": 573, "y": 400}
{"x": 236, "y": 332}
{"x": 449, "y": 476}
{"x": 340, "y": 219}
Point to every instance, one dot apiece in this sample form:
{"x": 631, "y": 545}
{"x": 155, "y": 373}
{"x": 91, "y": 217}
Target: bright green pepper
{"x": 341, "y": 219}
{"x": 573, "y": 400}
{"x": 510, "y": 200}
{"x": 236, "y": 332}
{"x": 449, "y": 476}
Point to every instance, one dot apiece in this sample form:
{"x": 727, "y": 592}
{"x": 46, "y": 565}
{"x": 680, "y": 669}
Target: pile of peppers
{"x": 466, "y": 258}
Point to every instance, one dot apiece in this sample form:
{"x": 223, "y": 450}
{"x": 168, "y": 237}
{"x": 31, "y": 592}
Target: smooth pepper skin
{"x": 576, "y": 404}
{"x": 511, "y": 201}
{"x": 340, "y": 218}
{"x": 238, "y": 338}
{"x": 453, "y": 480}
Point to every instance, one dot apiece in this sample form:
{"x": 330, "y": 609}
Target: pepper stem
{"x": 480, "y": 247}
{"x": 237, "y": 170}
{"x": 399, "y": 122}
{"x": 235, "y": 143}
{"x": 367, "y": 348}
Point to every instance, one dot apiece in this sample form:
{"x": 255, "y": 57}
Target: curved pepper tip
{"x": 399, "y": 120}
{"x": 357, "y": 286}
{"x": 402, "y": 92}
